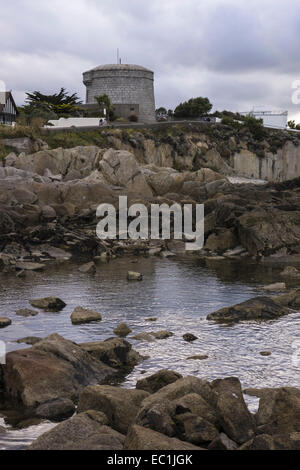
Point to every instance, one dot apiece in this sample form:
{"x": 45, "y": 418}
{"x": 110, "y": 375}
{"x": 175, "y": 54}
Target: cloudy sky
{"x": 239, "y": 53}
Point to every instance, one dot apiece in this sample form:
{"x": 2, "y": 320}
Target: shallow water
{"x": 180, "y": 293}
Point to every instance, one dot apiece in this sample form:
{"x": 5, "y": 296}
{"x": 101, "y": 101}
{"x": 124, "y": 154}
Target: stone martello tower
{"x": 130, "y": 88}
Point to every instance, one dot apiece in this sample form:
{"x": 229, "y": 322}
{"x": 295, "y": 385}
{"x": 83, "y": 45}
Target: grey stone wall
{"x": 123, "y": 86}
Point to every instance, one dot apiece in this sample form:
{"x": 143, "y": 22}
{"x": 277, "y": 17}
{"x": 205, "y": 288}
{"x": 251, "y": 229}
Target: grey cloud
{"x": 235, "y": 52}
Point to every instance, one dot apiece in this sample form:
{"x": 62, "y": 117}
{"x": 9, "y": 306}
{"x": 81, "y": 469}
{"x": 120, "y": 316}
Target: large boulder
{"x": 121, "y": 169}
{"x": 234, "y": 417}
{"x": 259, "y": 308}
{"x": 53, "y": 368}
{"x": 140, "y": 438}
{"x": 85, "y": 431}
{"x": 120, "y": 405}
{"x": 279, "y": 411}
{"x": 180, "y": 388}
{"x": 160, "y": 379}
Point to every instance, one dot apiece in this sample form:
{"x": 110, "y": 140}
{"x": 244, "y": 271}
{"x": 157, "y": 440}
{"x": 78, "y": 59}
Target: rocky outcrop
{"x": 187, "y": 414}
{"x": 46, "y": 377}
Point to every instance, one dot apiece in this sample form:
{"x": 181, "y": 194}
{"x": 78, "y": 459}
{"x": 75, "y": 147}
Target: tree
{"x": 104, "y": 102}
{"x": 46, "y": 107}
{"x": 256, "y": 127}
{"x": 292, "y": 124}
{"x": 161, "y": 110}
{"x": 193, "y": 108}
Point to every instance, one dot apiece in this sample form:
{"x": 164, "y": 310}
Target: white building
{"x": 76, "y": 122}
{"x": 276, "y": 119}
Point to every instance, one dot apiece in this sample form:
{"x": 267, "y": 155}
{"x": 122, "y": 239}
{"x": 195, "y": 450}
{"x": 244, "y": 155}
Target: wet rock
{"x": 151, "y": 319}
{"x": 290, "y": 271}
{"x": 189, "y": 337}
{"x": 222, "y": 442}
{"x": 140, "y": 438}
{"x": 31, "y": 340}
{"x": 84, "y": 315}
{"x": 279, "y": 286}
{"x": 160, "y": 379}
{"x": 163, "y": 334}
{"x": 56, "y": 410}
{"x": 85, "y": 431}
{"x": 4, "y": 322}
{"x": 291, "y": 300}
{"x": 265, "y": 353}
{"x": 143, "y": 337}
{"x": 122, "y": 330}
{"x": 28, "y": 266}
{"x": 88, "y": 268}
{"x": 200, "y": 357}
{"x": 26, "y": 312}
{"x": 120, "y": 405}
{"x": 52, "y": 368}
{"x": 2, "y": 430}
{"x": 134, "y": 276}
{"x": 48, "y": 303}
{"x": 115, "y": 352}
{"x": 259, "y": 308}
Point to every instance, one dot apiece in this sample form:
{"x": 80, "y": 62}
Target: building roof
{"x": 120, "y": 67}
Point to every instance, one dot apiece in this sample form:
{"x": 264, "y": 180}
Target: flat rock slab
{"x": 28, "y": 266}
{"x": 259, "y": 308}
{"x": 200, "y": 357}
{"x": 48, "y": 303}
{"x": 278, "y": 286}
{"x": 4, "y": 322}
{"x": 163, "y": 334}
{"x": 29, "y": 340}
{"x": 26, "y": 312}
{"x": 84, "y": 315}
